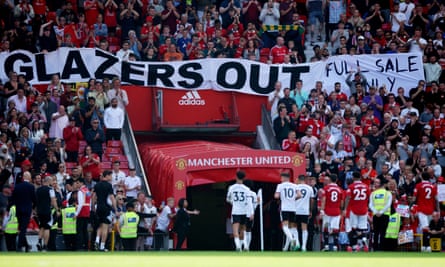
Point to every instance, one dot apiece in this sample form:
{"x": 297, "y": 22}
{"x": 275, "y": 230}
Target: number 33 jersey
{"x": 238, "y": 196}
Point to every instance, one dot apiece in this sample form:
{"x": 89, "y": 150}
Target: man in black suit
{"x": 24, "y": 198}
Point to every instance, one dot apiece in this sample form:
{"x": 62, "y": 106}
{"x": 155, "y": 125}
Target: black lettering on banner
{"x": 41, "y": 69}
{"x": 411, "y": 63}
{"x": 394, "y": 65}
{"x": 392, "y": 82}
{"x": 196, "y": 77}
{"x": 340, "y": 67}
{"x": 27, "y": 70}
{"x": 154, "y": 74}
{"x": 358, "y": 66}
{"x": 295, "y": 73}
{"x": 255, "y": 79}
{"x": 127, "y": 70}
{"x": 380, "y": 67}
{"x": 68, "y": 69}
{"x": 107, "y": 64}
{"x": 240, "y": 77}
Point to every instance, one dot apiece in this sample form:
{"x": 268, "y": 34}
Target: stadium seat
{"x": 124, "y": 165}
{"x": 113, "y": 150}
{"x": 113, "y": 41}
{"x": 105, "y": 165}
{"x": 114, "y": 143}
{"x": 70, "y": 165}
{"x": 107, "y": 158}
{"x": 120, "y": 157}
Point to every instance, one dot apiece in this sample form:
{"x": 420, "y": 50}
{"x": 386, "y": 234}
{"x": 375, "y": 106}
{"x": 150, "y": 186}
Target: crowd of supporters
{"x": 397, "y": 136}
{"x": 267, "y": 31}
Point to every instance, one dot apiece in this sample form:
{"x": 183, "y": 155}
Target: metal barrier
{"x": 132, "y": 152}
{"x": 161, "y": 241}
{"x": 267, "y": 129}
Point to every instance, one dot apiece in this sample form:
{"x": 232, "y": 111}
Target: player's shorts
{"x": 424, "y": 220}
{"x": 45, "y": 221}
{"x": 331, "y": 222}
{"x": 301, "y": 218}
{"x": 358, "y": 221}
{"x": 241, "y": 219}
{"x": 288, "y": 216}
{"x": 104, "y": 215}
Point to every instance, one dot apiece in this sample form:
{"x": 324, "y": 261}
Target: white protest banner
{"x": 250, "y": 77}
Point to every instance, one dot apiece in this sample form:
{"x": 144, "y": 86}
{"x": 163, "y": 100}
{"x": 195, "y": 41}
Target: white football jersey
{"x": 253, "y": 199}
{"x": 238, "y": 196}
{"x": 288, "y": 193}
{"x": 304, "y": 203}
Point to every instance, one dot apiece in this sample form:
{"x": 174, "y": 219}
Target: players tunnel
{"x": 201, "y": 171}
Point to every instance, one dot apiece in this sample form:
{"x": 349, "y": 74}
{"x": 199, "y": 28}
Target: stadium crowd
{"x": 395, "y": 138}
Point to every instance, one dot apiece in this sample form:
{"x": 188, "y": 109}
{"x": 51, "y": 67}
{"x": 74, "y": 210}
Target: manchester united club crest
{"x": 181, "y": 164}
{"x": 179, "y": 185}
{"x": 297, "y": 160}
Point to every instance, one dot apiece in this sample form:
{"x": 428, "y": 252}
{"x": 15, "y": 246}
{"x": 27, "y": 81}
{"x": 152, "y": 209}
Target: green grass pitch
{"x": 222, "y": 259}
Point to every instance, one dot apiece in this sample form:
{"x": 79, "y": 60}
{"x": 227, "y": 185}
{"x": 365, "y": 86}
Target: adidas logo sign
{"x": 191, "y": 98}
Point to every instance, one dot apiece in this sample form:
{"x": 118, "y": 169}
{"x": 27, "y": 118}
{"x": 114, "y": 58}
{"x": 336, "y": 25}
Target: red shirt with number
{"x": 334, "y": 196}
{"x": 425, "y": 193}
{"x": 358, "y": 194}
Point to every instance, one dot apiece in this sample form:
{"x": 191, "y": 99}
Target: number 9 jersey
{"x": 238, "y": 196}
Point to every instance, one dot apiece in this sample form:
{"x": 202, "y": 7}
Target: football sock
{"x": 287, "y": 232}
{"x": 304, "y": 237}
{"x": 248, "y": 239}
{"x": 294, "y": 233}
{"x": 286, "y": 244}
{"x": 237, "y": 243}
{"x": 102, "y": 245}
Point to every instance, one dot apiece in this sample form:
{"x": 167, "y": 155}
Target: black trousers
{"x": 129, "y": 244}
{"x": 52, "y": 240}
{"x": 161, "y": 240}
{"x": 72, "y": 156}
{"x": 70, "y": 242}
{"x": 82, "y": 233}
{"x": 380, "y": 224}
{"x": 113, "y": 134}
{"x": 11, "y": 242}
{"x": 23, "y": 219}
{"x": 181, "y": 236}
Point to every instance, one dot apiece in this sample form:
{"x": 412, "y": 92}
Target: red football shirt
{"x": 358, "y": 193}
{"x": 425, "y": 193}
{"x": 277, "y": 53}
{"x": 290, "y": 146}
{"x": 334, "y": 196}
